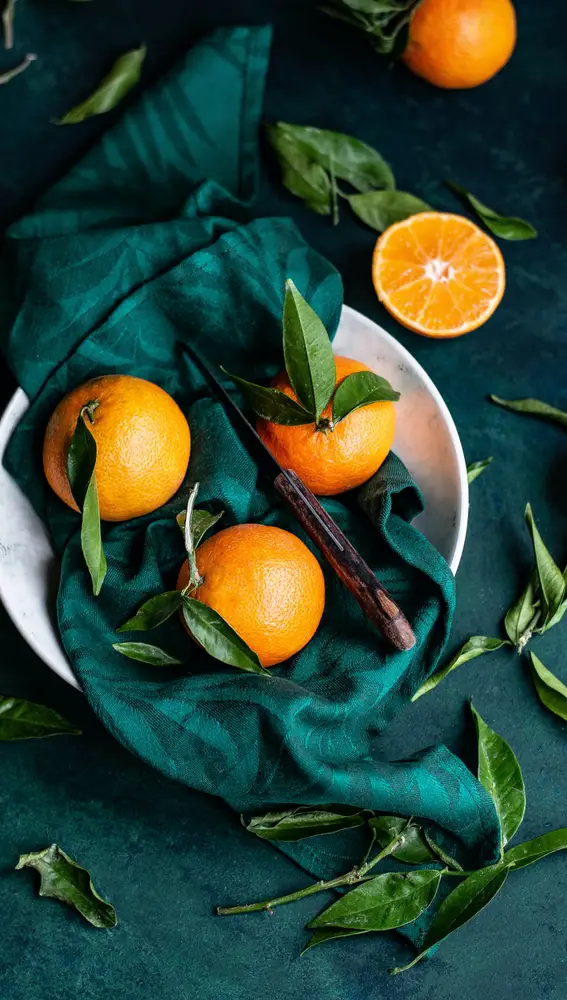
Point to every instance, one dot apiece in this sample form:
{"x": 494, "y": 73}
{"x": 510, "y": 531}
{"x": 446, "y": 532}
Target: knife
{"x": 334, "y": 546}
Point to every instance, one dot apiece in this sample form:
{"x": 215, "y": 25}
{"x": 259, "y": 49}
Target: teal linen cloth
{"x": 146, "y": 245}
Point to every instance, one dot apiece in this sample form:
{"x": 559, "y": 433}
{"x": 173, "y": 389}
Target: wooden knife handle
{"x": 349, "y": 566}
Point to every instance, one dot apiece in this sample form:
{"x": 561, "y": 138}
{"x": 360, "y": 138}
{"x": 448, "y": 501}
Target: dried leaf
{"x": 63, "y": 879}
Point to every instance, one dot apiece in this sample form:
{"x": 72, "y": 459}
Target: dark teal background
{"x": 164, "y": 855}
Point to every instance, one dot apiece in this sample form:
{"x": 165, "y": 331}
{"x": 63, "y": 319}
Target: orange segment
{"x": 438, "y": 274}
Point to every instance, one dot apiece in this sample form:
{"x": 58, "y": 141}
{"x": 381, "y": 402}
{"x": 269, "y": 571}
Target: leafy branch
{"x": 393, "y": 899}
{"x": 541, "y": 606}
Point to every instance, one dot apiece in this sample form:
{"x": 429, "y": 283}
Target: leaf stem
{"x": 11, "y": 73}
{"x": 352, "y": 877}
{"x": 8, "y": 24}
{"x": 369, "y": 851}
{"x": 195, "y": 578}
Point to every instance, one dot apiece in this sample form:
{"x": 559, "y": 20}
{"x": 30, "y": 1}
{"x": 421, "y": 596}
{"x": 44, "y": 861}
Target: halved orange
{"x": 438, "y": 274}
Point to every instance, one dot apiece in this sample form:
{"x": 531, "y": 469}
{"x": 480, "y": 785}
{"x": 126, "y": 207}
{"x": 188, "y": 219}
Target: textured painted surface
{"x": 163, "y": 855}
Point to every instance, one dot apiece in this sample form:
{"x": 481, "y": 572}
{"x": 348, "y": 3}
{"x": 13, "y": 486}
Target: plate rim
{"x": 19, "y": 399}
{"x": 463, "y": 507}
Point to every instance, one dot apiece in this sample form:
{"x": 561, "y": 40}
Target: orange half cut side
{"x": 438, "y": 274}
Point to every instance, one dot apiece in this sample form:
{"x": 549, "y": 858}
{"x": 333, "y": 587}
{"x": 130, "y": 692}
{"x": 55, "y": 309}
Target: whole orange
{"x": 460, "y": 43}
{"x": 339, "y": 457}
{"x": 142, "y": 438}
{"x": 265, "y": 583}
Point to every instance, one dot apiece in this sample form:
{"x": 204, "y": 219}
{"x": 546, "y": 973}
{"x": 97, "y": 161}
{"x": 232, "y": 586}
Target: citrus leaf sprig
{"x": 394, "y": 899}
{"x": 310, "y": 366}
{"x": 206, "y": 626}
{"x": 313, "y": 159}
{"x": 81, "y": 473}
{"x": 541, "y": 606}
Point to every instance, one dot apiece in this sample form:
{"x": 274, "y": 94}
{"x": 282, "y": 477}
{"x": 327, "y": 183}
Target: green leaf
{"x": 501, "y": 775}
{"x": 154, "y": 612}
{"x": 507, "y": 228}
{"x": 347, "y": 158}
{"x": 522, "y": 618}
{"x": 551, "y": 692}
{"x": 63, "y": 879}
{"x": 533, "y": 408}
{"x": 441, "y": 854}
{"x": 306, "y": 180}
{"x": 309, "y": 359}
{"x": 303, "y": 821}
{"x": 217, "y": 637}
{"x": 554, "y": 620}
{"x": 414, "y": 850}
{"x": 330, "y": 934}
{"x": 81, "y": 464}
{"x": 361, "y": 389}
{"x": 24, "y": 720}
{"x": 550, "y": 577}
{"x": 201, "y": 522}
{"x": 475, "y": 468}
{"x": 385, "y": 22}
{"x": 381, "y": 209}
{"x": 473, "y": 647}
{"x": 271, "y": 404}
{"x": 124, "y": 75}
{"x": 387, "y": 901}
{"x": 533, "y": 850}
{"x": 460, "y": 906}
{"x": 11, "y": 73}
{"x": 141, "y": 651}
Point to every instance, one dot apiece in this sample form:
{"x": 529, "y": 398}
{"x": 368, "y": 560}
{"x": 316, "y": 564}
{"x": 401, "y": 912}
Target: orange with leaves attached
{"x": 142, "y": 438}
{"x": 265, "y": 583}
{"x": 332, "y": 459}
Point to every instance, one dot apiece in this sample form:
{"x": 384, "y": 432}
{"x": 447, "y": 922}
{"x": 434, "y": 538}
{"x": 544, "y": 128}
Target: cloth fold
{"x": 148, "y": 243}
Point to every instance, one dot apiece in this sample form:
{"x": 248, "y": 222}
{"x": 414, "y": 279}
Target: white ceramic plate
{"x": 426, "y": 441}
